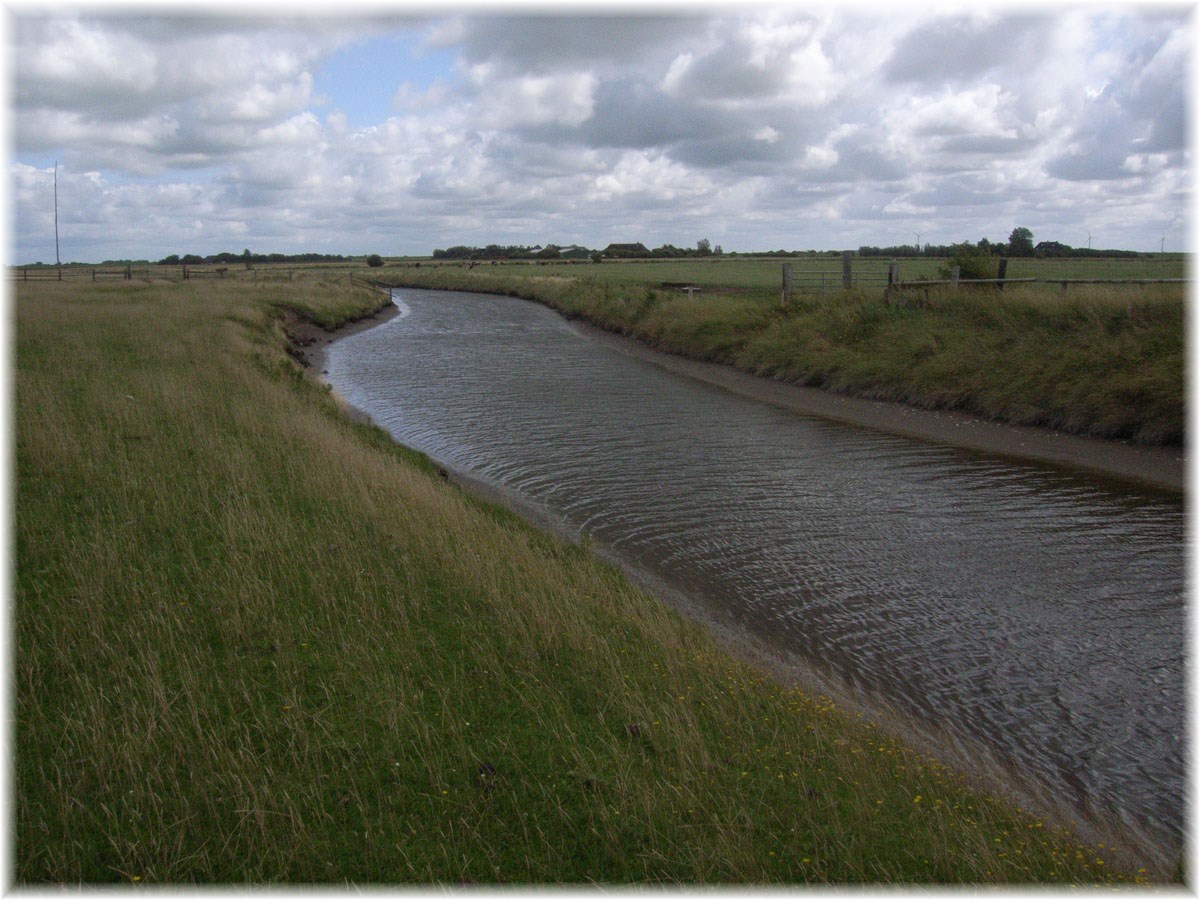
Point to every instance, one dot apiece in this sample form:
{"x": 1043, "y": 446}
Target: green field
{"x": 759, "y": 273}
{"x": 1103, "y": 360}
{"x": 256, "y": 642}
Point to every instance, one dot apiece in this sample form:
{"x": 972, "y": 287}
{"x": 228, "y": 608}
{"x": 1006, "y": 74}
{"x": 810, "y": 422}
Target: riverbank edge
{"x": 1161, "y": 468}
{"x": 309, "y": 343}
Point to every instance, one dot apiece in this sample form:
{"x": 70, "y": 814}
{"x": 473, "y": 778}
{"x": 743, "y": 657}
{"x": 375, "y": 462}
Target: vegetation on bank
{"x": 257, "y": 642}
{"x": 1099, "y": 360}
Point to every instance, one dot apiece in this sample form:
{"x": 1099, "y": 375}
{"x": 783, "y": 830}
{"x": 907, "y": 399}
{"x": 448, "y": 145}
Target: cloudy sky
{"x": 401, "y": 130}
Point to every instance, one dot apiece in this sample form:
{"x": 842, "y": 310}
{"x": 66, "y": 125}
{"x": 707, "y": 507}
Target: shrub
{"x": 972, "y": 262}
{"x": 374, "y": 260}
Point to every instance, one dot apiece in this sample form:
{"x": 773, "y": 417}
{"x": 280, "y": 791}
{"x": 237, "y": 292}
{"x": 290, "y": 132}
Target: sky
{"x": 400, "y": 129}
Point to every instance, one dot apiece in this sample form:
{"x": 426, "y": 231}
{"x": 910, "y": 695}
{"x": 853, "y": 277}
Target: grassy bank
{"x": 1102, "y": 360}
{"x": 254, "y": 641}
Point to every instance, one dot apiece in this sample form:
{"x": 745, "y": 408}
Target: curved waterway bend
{"x": 1024, "y": 609}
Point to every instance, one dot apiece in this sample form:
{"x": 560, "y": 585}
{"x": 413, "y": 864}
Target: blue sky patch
{"x": 361, "y": 79}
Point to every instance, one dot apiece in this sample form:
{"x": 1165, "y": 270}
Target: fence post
{"x": 787, "y": 284}
{"x": 954, "y": 276}
{"x": 93, "y": 274}
{"x": 1001, "y": 271}
{"x": 846, "y": 279}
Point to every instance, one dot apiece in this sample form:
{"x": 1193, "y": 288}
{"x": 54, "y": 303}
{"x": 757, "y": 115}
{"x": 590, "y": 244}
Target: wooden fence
{"x": 63, "y": 273}
{"x": 822, "y": 282}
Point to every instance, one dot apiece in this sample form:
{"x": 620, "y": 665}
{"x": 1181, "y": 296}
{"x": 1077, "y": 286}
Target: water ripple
{"x": 1036, "y": 612}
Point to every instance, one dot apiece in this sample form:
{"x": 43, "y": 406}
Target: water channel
{"x": 1033, "y": 611}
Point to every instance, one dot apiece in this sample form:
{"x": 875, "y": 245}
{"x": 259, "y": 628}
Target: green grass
{"x": 745, "y": 272}
{"x": 256, "y": 642}
{"x": 1098, "y": 360}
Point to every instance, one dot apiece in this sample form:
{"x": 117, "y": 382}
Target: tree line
{"x": 193, "y": 259}
{"x": 1020, "y": 244}
{"x": 556, "y": 251}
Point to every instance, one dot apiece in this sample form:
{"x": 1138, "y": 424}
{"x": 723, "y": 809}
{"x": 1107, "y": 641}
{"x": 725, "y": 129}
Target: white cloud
{"x": 677, "y": 74}
{"x": 534, "y": 99}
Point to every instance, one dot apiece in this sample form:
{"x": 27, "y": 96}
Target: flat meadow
{"x": 255, "y": 641}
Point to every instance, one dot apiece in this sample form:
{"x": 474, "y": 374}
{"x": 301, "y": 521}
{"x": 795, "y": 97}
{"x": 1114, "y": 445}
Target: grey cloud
{"x": 1156, "y": 92}
{"x": 1169, "y": 130}
{"x": 1142, "y": 110}
{"x": 959, "y": 48}
{"x": 740, "y": 152}
{"x": 985, "y": 144}
{"x": 1097, "y": 164}
{"x": 961, "y": 191}
{"x": 1112, "y": 128}
{"x": 859, "y": 159}
{"x": 631, "y": 113}
{"x": 540, "y": 43}
{"x": 726, "y": 74}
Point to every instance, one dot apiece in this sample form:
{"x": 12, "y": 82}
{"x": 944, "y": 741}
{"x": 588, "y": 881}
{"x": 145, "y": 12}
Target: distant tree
{"x": 1020, "y": 242}
{"x": 703, "y": 247}
{"x": 1052, "y": 249}
{"x": 597, "y": 256}
{"x": 172, "y": 260}
{"x": 374, "y": 260}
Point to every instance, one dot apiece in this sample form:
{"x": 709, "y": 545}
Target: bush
{"x": 374, "y": 260}
{"x": 972, "y": 262}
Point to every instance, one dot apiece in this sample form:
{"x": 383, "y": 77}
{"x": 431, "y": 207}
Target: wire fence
{"x": 77, "y": 272}
{"x": 880, "y": 274}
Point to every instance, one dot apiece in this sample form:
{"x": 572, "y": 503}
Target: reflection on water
{"x": 1032, "y": 610}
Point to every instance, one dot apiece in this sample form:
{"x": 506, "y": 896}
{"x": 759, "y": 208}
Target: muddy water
{"x": 1027, "y": 610}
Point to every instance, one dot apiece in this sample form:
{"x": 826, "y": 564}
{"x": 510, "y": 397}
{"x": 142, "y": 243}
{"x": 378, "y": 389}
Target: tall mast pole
{"x": 57, "y": 258}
